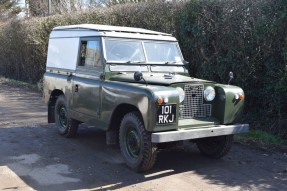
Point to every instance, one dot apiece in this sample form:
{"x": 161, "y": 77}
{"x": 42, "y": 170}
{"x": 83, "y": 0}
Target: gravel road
{"x": 46, "y": 161}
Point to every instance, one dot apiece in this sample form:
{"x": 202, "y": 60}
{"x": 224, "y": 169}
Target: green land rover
{"x": 133, "y": 84}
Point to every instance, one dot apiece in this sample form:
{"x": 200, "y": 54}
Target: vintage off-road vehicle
{"x": 133, "y": 83}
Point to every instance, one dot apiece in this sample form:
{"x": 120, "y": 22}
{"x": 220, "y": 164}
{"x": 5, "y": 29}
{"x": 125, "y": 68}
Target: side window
{"x": 83, "y": 53}
{"x": 90, "y": 54}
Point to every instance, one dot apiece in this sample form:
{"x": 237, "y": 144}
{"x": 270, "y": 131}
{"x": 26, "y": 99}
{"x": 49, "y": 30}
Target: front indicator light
{"x": 165, "y": 100}
{"x": 160, "y": 100}
{"x": 239, "y": 96}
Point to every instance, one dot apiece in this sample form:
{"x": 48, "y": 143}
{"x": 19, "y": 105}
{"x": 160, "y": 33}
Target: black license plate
{"x": 166, "y": 114}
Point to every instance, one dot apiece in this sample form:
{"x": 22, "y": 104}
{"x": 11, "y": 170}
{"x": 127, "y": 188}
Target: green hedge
{"x": 247, "y": 37}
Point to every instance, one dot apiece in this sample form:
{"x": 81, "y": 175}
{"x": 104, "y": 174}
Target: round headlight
{"x": 209, "y": 93}
{"x": 180, "y": 94}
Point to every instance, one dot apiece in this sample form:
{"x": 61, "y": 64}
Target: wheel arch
{"x": 51, "y": 105}
{"x": 119, "y": 112}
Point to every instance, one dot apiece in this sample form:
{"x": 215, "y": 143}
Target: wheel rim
{"x": 62, "y": 116}
{"x": 133, "y": 143}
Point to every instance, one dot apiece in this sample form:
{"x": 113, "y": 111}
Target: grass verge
{"x": 21, "y": 84}
{"x": 262, "y": 140}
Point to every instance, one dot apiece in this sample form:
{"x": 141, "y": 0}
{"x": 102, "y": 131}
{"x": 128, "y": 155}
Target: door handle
{"x": 102, "y": 76}
{"x": 76, "y": 88}
{"x": 69, "y": 77}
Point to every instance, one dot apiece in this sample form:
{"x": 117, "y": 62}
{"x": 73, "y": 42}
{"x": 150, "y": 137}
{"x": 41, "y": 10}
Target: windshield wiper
{"x": 134, "y": 62}
{"x": 173, "y": 62}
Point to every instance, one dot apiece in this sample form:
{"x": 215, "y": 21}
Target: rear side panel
{"x": 53, "y": 82}
{"x": 57, "y": 82}
{"x": 63, "y": 53}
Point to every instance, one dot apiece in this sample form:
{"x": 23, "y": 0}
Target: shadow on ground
{"x": 47, "y": 161}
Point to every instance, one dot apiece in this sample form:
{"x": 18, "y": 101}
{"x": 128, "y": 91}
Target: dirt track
{"x": 46, "y": 161}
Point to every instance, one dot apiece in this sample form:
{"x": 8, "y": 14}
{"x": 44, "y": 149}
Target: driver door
{"x": 87, "y": 83}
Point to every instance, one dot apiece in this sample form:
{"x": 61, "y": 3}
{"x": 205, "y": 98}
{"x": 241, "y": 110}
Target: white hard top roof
{"x": 109, "y": 28}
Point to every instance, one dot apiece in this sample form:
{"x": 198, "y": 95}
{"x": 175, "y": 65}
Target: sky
{"x": 22, "y": 3}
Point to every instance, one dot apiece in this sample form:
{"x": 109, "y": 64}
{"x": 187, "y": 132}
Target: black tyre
{"x": 215, "y": 147}
{"x": 135, "y": 143}
{"x": 66, "y": 126}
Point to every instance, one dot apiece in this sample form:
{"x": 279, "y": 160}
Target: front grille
{"x": 193, "y": 106}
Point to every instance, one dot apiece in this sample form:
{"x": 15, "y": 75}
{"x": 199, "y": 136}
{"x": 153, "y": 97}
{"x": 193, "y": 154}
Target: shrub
{"x": 247, "y": 37}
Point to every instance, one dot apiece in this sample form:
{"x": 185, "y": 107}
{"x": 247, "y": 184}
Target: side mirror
{"x": 186, "y": 64}
{"x": 138, "y": 76}
{"x": 230, "y": 77}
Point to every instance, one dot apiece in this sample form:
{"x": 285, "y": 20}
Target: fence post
{"x": 49, "y": 7}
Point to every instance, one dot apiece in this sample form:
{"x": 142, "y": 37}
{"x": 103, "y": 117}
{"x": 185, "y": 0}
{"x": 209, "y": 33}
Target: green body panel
{"x": 96, "y": 99}
{"x": 87, "y": 97}
{"x": 57, "y": 82}
{"x": 140, "y": 96}
{"x": 226, "y": 109}
{"x": 162, "y": 79}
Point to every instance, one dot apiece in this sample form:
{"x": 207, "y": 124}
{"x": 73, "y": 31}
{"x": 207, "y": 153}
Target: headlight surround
{"x": 181, "y": 94}
{"x": 209, "y": 93}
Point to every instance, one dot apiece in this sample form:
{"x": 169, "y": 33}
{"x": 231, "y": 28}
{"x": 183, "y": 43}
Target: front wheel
{"x": 135, "y": 143}
{"x": 215, "y": 147}
{"x": 66, "y": 126}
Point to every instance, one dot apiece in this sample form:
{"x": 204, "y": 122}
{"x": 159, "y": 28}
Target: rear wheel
{"x": 135, "y": 143}
{"x": 215, "y": 147}
{"x": 66, "y": 126}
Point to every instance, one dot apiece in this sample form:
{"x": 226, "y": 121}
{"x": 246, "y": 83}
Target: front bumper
{"x": 183, "y": 134}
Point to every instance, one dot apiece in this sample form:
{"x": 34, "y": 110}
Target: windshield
{"x": 124, "y": 51}
{"x": 162, "y": 52}
{"x": 141, "y": 51}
